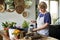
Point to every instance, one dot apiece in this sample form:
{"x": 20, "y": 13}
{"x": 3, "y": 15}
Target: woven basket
{"x": 19, "y": 9}
{"x": 2, "y": 7}
{"x": 19, "y": 2}
{"x": 25, "y": 14}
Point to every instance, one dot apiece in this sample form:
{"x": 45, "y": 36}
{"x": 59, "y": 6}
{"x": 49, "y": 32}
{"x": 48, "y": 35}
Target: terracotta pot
{"x": 6, "y": 31}
{"x": 6, "y": 28}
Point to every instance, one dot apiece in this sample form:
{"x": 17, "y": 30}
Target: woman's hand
{"x": 35, "y": 29}
{"x": 33, "y": 21}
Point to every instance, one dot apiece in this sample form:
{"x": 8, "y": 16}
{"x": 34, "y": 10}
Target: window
{"x": 54, "y": 10}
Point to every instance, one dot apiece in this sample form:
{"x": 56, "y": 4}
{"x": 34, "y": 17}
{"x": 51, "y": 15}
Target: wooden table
{"x": 44, "y": 37}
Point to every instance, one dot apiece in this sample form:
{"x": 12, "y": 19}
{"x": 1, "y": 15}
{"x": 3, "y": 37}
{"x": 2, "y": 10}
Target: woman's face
{"x": 42, "y": 10}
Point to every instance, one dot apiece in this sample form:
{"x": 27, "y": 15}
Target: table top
{"x": 44, "y": 37}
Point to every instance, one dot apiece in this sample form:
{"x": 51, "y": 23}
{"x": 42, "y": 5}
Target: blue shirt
{"x": 47, "y": 17}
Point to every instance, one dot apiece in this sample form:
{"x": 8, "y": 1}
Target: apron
{"x": 40, "y": 22}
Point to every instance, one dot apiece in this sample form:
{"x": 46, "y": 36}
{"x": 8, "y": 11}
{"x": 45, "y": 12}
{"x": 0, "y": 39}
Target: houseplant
{"x": 6, "y": 25}
{"x": 25, "y": 25}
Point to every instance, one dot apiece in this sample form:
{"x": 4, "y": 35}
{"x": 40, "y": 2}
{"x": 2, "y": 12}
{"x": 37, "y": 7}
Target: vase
{"x": 6, "y": 31}
{"x": 11, "y": 30}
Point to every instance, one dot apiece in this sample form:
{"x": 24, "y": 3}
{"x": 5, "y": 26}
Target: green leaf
{"x": 7, "y": 24}
{"x": 25, "y": 24}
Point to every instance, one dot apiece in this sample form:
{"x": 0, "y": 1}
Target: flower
{"x": 16, "y": 32}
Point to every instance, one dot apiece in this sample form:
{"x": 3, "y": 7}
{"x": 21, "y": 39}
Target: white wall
{"x": 59, "y": 11}
{"x": 15, "y": 17}
{"x": 59, "y": 8}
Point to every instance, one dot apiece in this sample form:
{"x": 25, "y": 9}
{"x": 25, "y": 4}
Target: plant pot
{"x": 6, "y": 31}
{"x": 10, "y": 33}
{"x": 26, "y": 30}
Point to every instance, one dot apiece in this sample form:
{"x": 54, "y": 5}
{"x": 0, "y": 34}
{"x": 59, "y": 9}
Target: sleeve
{"x": 47, "y": 18}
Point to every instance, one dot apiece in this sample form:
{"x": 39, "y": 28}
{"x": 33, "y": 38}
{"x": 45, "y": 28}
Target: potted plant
{"x": 6, "y": 25}
{"x": 25, "y": 25}
{"x": 12, "y": 24}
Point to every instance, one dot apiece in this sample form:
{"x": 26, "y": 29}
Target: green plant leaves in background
{"x": 25, "y": 24}
{"x": 8, "y": 24}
